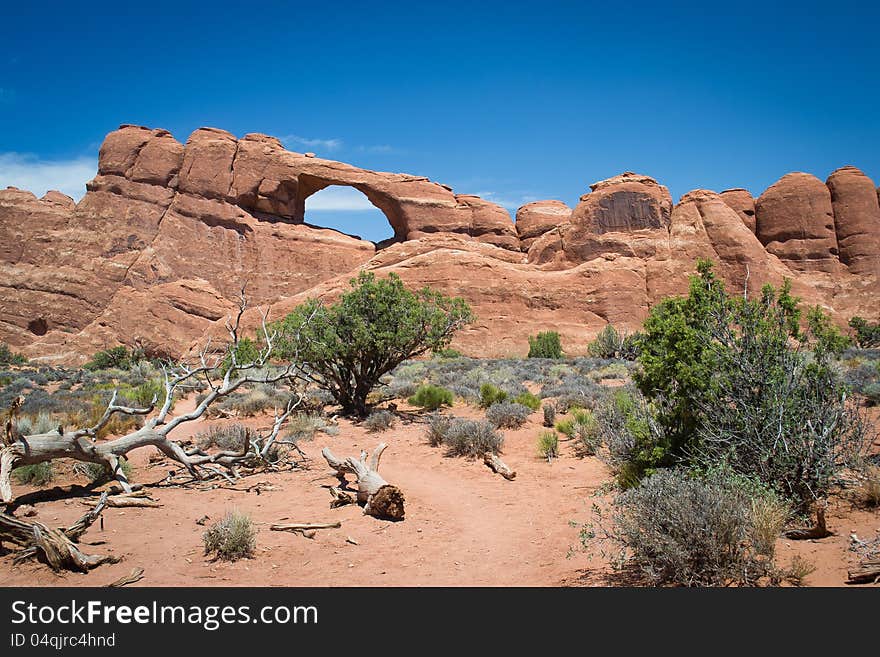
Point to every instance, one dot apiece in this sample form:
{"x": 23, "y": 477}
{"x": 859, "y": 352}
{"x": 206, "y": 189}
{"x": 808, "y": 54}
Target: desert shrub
{"x": 548, "y": 445}
{"x": 141, "y": 395}
{"x": 798, "y": 570}
{"x": 607, "y": 343}
{"x": 347, "y": 347}
{"x": 431, "y": 397}
{"x": 545, "y": 345}
{"x": 470, "y": 438}
{"x": 231, "y": 437}
{"x": 42, "y": 423}
{"x": 866, "y": 334}
{"x": 869, "y": 489}
{"x": 246, "y": 351}
{"x": 252, "y": 402}
{"x": 231, "y": 538}
{"x": 304, "y": 426}
{"x": 700, "y": 358}
{"x": 98, "y": 473}
{"x": 768, "y": 518}
{"x": 573, "y": 392}
{"x": 491, "y": 394}
{"x": 88, "y": 415}
{"x": 581, "y": 416}
{"x": 438, "y": 428}
{"x": 528, "y": 400}
{"x": 625, "y": 424}
{"x": 588, "y": 435}
{"x": 115, "y": 357}
{"x": 679, "y": 529}
{"x": 401, "y": 389}
{"x": 379, "y": 421}
{"x": 860, "y": 374}
{"x": 447, "y": 353}
{"x": 549, "y": 415}
{"x": 9, "y": 357}
{"x": 508, "y": 415}
{"x": 871, "y": 393}
{"x": 36, "y": 474}
{"x": 566, "y": 427}
{"x": 613, "y": 371}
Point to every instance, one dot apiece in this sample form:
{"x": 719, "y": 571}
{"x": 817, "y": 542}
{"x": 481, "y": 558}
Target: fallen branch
{"x": 304, "y": 526}
{"x": 820, "y": 530}
{"x": 306, "y": 529}
{"x": 57, "y": 547}
{"x": 136, "y": 575}
{"x": 498, "y": 466}
{"x": 867, "y": 572}
{"x": 129, "y": 501}
{"x": 380, "y": 499}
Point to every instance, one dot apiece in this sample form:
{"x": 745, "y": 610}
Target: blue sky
{"x": 515, "y": 101}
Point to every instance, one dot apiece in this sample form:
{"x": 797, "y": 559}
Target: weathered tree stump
{"x": 380, "y": 499}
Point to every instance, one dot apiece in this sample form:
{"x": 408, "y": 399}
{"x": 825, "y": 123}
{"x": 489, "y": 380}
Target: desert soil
{"x": 464, "y": 525}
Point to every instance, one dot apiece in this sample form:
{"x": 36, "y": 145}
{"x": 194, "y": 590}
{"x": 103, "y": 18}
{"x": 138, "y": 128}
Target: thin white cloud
{"x": 328, "y": 144}
{"x": 378, "y": 148}
{"x": 507, "y": 201}
{"x": 338, "y": 199}
{"x": 29, "y": 172}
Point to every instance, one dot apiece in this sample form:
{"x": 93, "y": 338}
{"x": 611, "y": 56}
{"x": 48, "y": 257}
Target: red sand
{"x": 464, "y": 525}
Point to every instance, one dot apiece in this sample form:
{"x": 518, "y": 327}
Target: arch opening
{"x": 348, "y": 210}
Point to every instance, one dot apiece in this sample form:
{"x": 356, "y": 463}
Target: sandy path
{"x": 464, "y": 525}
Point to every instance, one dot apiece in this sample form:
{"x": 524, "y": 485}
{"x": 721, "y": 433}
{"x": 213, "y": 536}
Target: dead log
{"x": 136, "y": 575}
{"x": 867, "y": 572}
{"x": 819, "y": 530}
{"x": 304, "y": 526}
{"x": 137, "y": 499}
{"x": 380, "y": 499}
{"x": 57, "y": 547}
{"x": 498, "y": 466}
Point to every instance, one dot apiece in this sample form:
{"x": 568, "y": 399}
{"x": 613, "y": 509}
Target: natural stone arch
{"x": 308, "y": 185}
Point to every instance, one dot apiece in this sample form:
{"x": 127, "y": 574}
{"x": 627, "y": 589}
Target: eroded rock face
{"x": 742, "y": 201}
{"x": 795, "y": 221}
{"x": 156, "y": 252}
{"x": 625, "y": 215}
{"x": 857, "y": 219}
{"x": 536, "y": 218}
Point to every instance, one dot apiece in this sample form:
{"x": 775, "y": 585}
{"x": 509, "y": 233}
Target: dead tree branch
{"x": 222, "y": 373}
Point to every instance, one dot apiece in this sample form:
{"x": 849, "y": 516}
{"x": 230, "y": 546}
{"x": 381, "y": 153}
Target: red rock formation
{"x": 743, "y": 202}
{"x": 625, "y": 215}
{"x": 857, "y": 219}
{"x": 536, "y": 218}
{"x": 156, "y": 251}
{"x": 795, "y": 221}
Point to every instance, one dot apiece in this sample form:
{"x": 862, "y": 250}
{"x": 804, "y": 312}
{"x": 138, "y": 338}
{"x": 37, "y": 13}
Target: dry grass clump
{"x": 231, "y": 538}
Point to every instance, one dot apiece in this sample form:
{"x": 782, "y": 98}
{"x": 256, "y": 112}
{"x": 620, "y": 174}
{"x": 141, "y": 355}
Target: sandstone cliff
{"x": 157, "y": 250}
